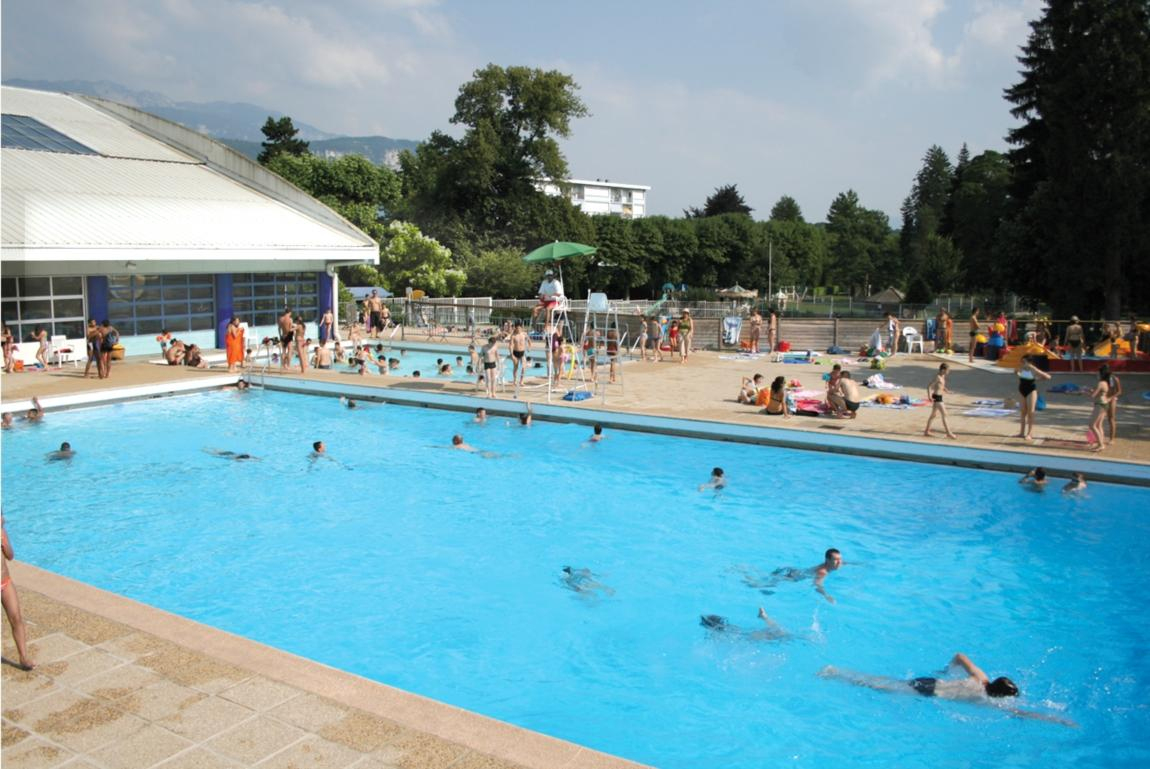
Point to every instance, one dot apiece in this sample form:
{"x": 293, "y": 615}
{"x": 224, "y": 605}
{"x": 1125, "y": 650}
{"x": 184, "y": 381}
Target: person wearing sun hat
{"x": 550, "y": 293}
{"x": 686, "y": 335}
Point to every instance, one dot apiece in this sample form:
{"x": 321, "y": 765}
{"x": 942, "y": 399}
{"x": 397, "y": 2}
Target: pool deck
{"x": 120, "y": 684}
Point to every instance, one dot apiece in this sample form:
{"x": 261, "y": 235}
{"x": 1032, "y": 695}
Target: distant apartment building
{"x": 628, "y": 201}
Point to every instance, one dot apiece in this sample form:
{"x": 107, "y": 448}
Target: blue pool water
{"x": 438, "y": 571}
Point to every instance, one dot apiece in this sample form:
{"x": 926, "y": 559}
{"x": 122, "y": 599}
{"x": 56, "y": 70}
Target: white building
{"x": 110, "y": 212}
{"x": 628, "y": 201}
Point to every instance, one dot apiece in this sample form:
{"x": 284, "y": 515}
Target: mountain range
{"x": 236, "y": 124}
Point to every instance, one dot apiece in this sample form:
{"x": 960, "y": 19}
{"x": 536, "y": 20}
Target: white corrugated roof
{"x": 142, "y": 194}
{"x": 59, "y": 200}
{"x": 87, "y": 125}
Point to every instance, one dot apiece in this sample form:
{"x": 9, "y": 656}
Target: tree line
{"x": 1061, "y": 218}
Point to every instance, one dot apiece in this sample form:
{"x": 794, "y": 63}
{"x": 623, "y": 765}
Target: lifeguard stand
{"x": 604, "y": 338}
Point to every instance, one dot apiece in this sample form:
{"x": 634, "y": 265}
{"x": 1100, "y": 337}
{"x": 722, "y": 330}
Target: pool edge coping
{"x": 474, "y": 731}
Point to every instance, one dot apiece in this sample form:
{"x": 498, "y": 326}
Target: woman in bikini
{"x": 1101, "y": 397}
{"x": 1028, "y": 374}
{"x": 935, "y": 391}
{"x": 12, "y": 603}
{"x": 776, "y": 402}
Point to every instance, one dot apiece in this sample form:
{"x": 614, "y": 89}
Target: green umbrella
{"x": 553, "y": 252}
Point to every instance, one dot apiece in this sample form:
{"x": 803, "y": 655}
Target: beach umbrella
{"x": 554, "y": 252}
{"x": 557, "y": 251}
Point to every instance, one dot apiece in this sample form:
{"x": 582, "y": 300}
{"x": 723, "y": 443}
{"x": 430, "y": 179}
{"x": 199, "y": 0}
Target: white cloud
{"x": 1001, "y": 26}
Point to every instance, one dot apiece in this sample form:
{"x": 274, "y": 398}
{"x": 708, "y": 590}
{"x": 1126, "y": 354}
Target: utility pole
{"x": 770, "y": 270}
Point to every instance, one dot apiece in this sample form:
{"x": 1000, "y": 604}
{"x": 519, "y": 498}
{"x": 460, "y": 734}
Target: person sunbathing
{"x": 749, "y": 389}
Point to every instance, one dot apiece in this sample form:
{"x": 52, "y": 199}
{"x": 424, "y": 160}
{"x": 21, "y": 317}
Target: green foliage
{"x": 941, "y": 264}
{"x": 410, "y": 259}
{"x": 724, "y": 200}
{"x": 925, "y": 208}
{"x": 919, "y": 291}
{"x": 500, "y": 273}
{"x": 280, "y": 138}
{"x": 482, "y": 186}
{"x": 977, "y": 207}
{"x": 860, "y": 244}
{"x": 1080, "y": 235}
{"x": 786, "y": 210}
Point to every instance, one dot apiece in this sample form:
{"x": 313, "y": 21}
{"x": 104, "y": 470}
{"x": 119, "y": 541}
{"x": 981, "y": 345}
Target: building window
{"x": 55, "y": 304}
{"x": 148, "y": 304}
{"x": 577, "y": 192}
{"x": 259, "y": 298}
{"x": 616, "y": 196}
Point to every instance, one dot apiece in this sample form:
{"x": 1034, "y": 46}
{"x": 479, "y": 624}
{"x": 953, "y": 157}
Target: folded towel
{"x": 989, "y": 412}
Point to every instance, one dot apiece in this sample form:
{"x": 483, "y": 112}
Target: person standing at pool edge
{"x": 11, "y": 602}
{"x": 490, "y": 362}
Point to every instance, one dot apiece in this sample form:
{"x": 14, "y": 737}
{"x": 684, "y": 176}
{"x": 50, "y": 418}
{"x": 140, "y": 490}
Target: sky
{"x": 806, "y": 98}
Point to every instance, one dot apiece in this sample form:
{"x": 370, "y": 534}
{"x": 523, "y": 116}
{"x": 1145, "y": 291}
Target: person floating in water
{"x": 1077, "y": 482}
{"x": 584, "y": 581}
{"x": 232, "y": 455}
{"x": 717, "y": 481}
{"x": 832, "y": 561}
{"x": 771, "y": 631}
{"x": 1034, "y": 479}
{"x": 976, "y": 687}
{"x": 64, "y": 452}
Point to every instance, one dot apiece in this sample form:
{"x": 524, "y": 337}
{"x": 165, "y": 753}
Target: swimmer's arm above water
{"x": 974, "y": 671}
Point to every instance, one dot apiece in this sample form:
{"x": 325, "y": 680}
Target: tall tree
{"x": 1080, "y": 236}
{"x": 487, "y": 179}
{"x": 977, "y": 207}
{"x": 280, "y": 137}
{"x": 861, "y": 245}
{"x": 724, "y": 200}
{"x": 924, "y": 210}
{"x": 786, "y": 210}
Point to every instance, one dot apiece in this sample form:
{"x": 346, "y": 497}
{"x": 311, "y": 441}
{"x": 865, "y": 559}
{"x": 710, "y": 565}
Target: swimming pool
{"x": 440, "y": 572}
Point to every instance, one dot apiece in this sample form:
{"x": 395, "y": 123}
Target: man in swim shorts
{"x": 976, "y": 687}
{"x": 520, "y": 343}
{"x": 286, "y": 325}
{"x": 845, "y": 397}
{"x": 490, "y": 362}
{"x": 374, "y": 306}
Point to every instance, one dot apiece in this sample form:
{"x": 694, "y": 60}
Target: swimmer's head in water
{"x": 713, "y": 622}
{"x": 717, "y": 472}
{"x": 1001, "y": 687}
{"x": 65, "y": 446}
{"x": 566, "y": 569}
{"x": 1039, "y": 474}
{"x": 457, "y": 440}
{"x": 833, "y": 558}
{"x": 317, "y": 447}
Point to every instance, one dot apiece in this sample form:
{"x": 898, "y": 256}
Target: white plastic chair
{"x": 60, "y": 351}
{"x": 912, "y": 337}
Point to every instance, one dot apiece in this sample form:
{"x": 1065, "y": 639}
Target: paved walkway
{"x": 120, "y": 685}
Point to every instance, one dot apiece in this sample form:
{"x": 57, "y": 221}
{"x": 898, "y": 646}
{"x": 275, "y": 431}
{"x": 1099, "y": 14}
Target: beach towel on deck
{"x": 989, "y": 412}
{"x": 877, "y": 382}
{"x": 732, "y": 329}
